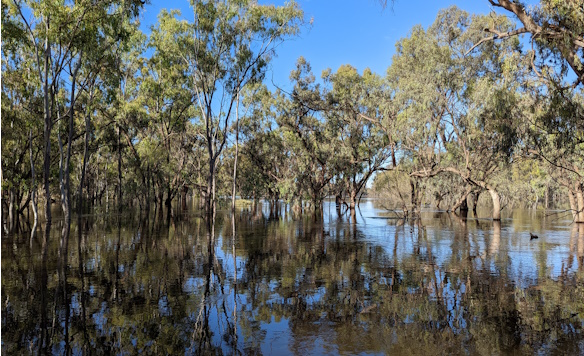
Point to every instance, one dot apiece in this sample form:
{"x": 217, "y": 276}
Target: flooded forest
{"x": 163, "y": 194}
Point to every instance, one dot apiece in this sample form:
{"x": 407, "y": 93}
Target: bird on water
{"x": 533, "y": 236}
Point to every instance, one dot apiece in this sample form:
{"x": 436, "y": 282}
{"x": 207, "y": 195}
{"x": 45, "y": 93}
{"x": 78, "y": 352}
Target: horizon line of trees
{"x": 139, "y": 120}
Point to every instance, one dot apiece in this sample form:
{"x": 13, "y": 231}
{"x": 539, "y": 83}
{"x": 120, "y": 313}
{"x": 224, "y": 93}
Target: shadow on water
{"x": 268, "y": 281}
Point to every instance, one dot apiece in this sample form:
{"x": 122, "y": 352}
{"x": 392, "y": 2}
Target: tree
{"x": 168, "y": 102}
{"x": 363, "y": 145}
{"x": 458, "y": 114}
{"x": 267, "y": 164}
{"x": 308, "y": 135}
{"x": 226, "y": 48}
{"x": 21, "y": 105}
{"x": 64, "y": 37}
{"x": 555, "y": 29}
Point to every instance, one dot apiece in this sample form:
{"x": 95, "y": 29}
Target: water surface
{"x": 261, "y": 282}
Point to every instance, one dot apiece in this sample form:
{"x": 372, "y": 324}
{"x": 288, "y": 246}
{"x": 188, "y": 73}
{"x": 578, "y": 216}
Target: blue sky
{"x": 357, "y": 32}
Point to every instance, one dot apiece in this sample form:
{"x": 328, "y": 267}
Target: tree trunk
{"x": 210, "y": 196}
{"x": 496, "y": 204}
{"x": 464, "y": 205}
{"x": 475, "y": 202}
{"x": 85, "y": 154}
{"x": 236, "y": 152}
{"x": 185, "y": 190}
{"x": 536, "y": 202}
{"x": 461, "y": 203}
{"x": 580, "y": 201}
{"x": 168, "y": 201}
{"x": 11, "y": 210}
{"x": 48, "y": 125}
{"x": 106, "y": 189}
{"x": 168, "y": 204}
{"x": 360, "y": 196}
{"x": 352, "y": 198}
{"x": 415, "y": 199}
{"x": 66, "y": 185}
{"x": 573, "y": 205}
{"x": 18, "y": 211}
{"x": 119, "y": 171}
{"x": 148, "y": 183}
{"x": 160, "y": 199}
{"x": 33, "y": 187}
{"x": 61, "y": 181}
{"x": 316, "y": 202}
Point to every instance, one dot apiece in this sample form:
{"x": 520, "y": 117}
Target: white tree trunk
{"x": 236, "y": 152}
{"x": 496, "y": 204}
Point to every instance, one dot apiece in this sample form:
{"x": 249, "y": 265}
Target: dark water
{"x": 283, "y": 286}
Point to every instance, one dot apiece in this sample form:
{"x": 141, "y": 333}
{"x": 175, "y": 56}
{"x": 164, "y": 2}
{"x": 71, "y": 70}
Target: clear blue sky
{"x": 357, "y": 32}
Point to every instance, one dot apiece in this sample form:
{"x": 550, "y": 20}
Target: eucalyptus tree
{"x": 555, "y": 30}
{"x": 309, "y": 135}
{"x": 226, "y": 47}
{"x": 21, "y": 103}
{"x": 418, "y": 81}
{"x": 169, "y": 103}
{"x": 107, "y": 93}
{"x": 123, "y": 115}
{"x": 66, "y": 39}
{"x": 557, "y": 140}
{"x": 363, "y": 146}
{"x": 459, "y": 114}
{"x": 267, "y": 164}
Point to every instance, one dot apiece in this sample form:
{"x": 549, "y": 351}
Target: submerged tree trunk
{"x": 475, "y": 201}
{"x": 66, "y": 185}
{"x": 573, "y": 205}
{"x": 61, "y": 182}
{"x": 160, "y": 199}
{"x": 496, "y": 204}
{"x": 580, "y": 202}
{"x": 461, "y": 203}
{"x": 119, "y": 170}
{"x": 464, "y": 205}
{"x": 48, "y": 125}
{"x": 352, "y": 199}
{"x": 236, "y": 152}
{"x": 85, "y": 153}
{"x": 148, "y": 188}
{"x": 210, "y": 196}
{"x": 33, "y": 184}
{"x": 11, "y": 211}
{"x": 184, "y": 192}
{"x": 416, "y": 199}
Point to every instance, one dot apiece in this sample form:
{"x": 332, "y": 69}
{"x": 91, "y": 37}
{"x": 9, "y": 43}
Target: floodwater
{"x": 285, "y": 286}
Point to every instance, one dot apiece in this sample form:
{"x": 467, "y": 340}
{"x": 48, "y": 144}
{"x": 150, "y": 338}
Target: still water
{"x": 261, "y": 282}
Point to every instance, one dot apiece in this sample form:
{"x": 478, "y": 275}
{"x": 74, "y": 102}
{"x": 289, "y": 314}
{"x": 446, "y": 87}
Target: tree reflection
{"x": 248, "y": 283}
